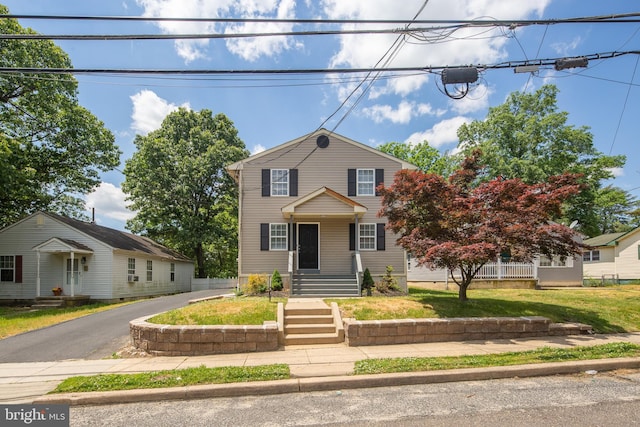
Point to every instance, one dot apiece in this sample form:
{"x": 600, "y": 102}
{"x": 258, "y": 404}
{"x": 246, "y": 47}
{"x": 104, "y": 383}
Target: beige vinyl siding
{"x": 326, "y": 167}
{"x": 324, "y": 204}
{"x": 606, "y": 265}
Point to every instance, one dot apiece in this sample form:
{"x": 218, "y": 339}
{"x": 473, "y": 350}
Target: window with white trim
{"x": 279, "y": 182}
{"x": 367, "y": 237}
{"x": 173, "y": 272}
{"x": 149, "y": 270}
{"x": 131, "y": 266}
{"x": 366, "y": 182}
{"x": 278, "y": 237}
{"x": 589, "y": 256}
{"x": 7, "y": 268}
{"x": 556, "y": 261}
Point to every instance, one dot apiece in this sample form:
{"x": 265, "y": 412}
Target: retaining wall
{"x": 406, "y": 331}
{"x": 169, "y": 340}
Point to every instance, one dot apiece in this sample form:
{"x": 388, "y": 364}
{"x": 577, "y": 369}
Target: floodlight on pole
{"x": 565, "y": 63}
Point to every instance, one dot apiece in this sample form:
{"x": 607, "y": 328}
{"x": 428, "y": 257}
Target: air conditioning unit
{"x": 131, "y": 278}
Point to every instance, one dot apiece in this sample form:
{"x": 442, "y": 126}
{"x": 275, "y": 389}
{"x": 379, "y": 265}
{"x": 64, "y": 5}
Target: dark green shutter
{"x": 264, "y": 237}
{"x": 380, "y": 236}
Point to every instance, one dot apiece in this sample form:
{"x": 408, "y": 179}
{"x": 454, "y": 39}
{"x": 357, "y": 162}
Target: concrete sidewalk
{"x": 325, "y": 366}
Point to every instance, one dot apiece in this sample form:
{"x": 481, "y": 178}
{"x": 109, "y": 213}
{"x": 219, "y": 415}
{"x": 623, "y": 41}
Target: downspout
{"x": 38, "y": 273}
{"x": 72, "y": 281}
{"x": 240, "y": 199}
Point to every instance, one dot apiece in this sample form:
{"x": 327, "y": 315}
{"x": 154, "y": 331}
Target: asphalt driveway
{"x": 91, "y": 337}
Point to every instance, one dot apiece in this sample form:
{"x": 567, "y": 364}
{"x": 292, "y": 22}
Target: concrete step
{"x": 308, "y": 318}
{"x": 309, "y": 329}
{"x": 307, "y": 339}
{"x": 311, "y": 311}
{"x": 43, "y": 305}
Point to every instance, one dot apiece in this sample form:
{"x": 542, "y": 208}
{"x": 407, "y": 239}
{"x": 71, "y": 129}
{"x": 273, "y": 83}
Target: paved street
{"x": 91, "y": 337}
{"x": 602, "y": 399}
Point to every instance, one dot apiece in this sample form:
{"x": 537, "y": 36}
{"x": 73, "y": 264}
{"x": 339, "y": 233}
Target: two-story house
{"x": 308, "y": 208}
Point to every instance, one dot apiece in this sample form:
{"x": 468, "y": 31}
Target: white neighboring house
{"x": 45, "y": 250}
{"x": 613, "y": 256}
{"x": 545, "y": 272}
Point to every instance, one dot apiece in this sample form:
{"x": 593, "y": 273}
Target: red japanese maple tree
{"x": 461, "y": 223}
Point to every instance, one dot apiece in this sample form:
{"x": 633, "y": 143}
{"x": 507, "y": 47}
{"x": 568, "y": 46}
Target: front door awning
{"x": 324, "y": 202}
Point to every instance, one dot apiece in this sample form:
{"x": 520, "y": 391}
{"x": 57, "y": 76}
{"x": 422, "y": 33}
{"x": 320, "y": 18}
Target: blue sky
{"x": 412, "y": 108}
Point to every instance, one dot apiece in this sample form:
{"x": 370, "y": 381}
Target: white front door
{"x": 75, "y": 273}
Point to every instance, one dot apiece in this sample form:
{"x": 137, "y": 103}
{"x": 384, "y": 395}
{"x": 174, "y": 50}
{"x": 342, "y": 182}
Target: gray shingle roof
{"x": 119, "y": 239}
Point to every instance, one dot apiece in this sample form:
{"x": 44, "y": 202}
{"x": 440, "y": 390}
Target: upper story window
{"x": 279, "y": 182}
{"x": 591, "y": 256}
{"x": 363, "y": 182}
{"x": 366, "y": 182}
{"x": 7, "y": 268}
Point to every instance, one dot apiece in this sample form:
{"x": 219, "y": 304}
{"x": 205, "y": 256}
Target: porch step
{"x": 323, "y": 285}
{"x": 43, "y": 303}
{"x": 310, "y": 322}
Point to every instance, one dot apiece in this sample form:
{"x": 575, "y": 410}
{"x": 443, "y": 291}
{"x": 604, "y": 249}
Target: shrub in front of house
{"x": 367, "y": 281}
{"x": 276, "y": 281}
{"x": 256, "y": 284}
{"x": 387, "y": 283}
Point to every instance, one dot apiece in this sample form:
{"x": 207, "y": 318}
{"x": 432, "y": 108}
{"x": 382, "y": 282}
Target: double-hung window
{"x": 172, "y": 272}
{"x": 7, "y": 268}
{"x": 149, "y": 270}
{"x": 279, "y": 182}
{"x": 591, "y": 256}
{"x": 367, "y": 237}
{"x": 278, "y": 237}
{"x": 366, "y": 182}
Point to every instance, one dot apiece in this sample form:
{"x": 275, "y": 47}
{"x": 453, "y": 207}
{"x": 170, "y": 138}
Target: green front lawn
{"x": 608, "y": 310}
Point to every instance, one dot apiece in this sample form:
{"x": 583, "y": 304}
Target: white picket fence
{"x": 213, "y": 283}
{"x": 507, "y": 270}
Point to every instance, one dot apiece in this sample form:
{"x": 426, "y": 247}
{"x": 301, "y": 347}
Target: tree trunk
{"x": 462, "y": 292}
{"x": 200, "y": 261}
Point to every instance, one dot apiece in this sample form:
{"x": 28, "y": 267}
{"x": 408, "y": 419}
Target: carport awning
{"x": 324, "y": 202}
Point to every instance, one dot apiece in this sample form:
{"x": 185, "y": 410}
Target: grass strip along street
{"x": 174, "y": 378}
{"x": 220, "y": 375}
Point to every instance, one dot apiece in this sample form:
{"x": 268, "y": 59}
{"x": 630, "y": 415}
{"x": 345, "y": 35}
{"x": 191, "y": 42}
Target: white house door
{"x": 72, "y": 272}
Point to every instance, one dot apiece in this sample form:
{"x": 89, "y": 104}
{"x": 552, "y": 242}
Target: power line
{"x": 620, "y": 17}
{"x": 426, "y": 68}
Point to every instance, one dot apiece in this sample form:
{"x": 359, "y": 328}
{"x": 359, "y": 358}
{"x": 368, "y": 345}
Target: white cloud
{"x": 565, "y": 48}
{"x": 149, "y": 110}
{"x": 109, "y": 201}
{"x": 257, "y": 149}
{"x": 476, "y": 100}
{"x": 249, "y": 49}
{"x": 617, "y": 172}
{"x": 472, "y": 45}
{"x": 403, "y": 114}
{"x": 442, "y": 133}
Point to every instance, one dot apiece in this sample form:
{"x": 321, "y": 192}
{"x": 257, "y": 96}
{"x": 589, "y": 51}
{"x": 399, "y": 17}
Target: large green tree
{"x": 181, "y": 192}
{"x": 528, "y": 138}
{"x": 52, "y": 150}
{"x": 424, "y": 156}
{"x": 615, "y": 210}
